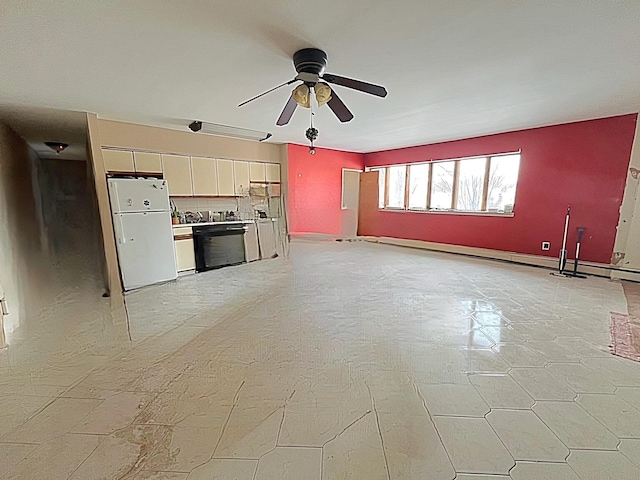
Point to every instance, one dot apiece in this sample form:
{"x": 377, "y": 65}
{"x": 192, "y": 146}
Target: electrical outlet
{"x": 546, "y": 245}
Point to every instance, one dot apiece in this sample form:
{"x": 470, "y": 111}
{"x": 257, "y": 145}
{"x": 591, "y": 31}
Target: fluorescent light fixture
{"x": 228, "y": 131}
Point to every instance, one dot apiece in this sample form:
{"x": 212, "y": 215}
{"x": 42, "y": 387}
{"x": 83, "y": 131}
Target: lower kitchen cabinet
{"x": 185, "y": 256}
{"x": 251, "y": 247}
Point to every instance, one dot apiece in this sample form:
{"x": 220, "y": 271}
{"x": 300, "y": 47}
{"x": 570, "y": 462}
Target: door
{"x": 145, "y": 248}
{"x": 241, "y": 178}
{"x": 205, "y": 176}
{"x": 350, "y": 199}
{"x": 251, "y": 247}
{"x": 185, "y": 256}
{"x": 226, "y": 185}
{"x": 273, "y": 172}
{"x": 257, "y": 172}
{"x": 118, "y": 161}
{"x": 137, "y": 195}
{"x": 177, "y": 172}
{"x": 368, "y": 204}
{"x": 147, "y": 162}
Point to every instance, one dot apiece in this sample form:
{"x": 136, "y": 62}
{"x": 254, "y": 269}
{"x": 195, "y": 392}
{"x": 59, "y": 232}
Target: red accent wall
{"x": 583, "y": 164}
{"x": 315, "y": 188}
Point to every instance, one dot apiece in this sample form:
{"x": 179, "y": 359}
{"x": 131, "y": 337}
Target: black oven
{"x": 218, "y": 245}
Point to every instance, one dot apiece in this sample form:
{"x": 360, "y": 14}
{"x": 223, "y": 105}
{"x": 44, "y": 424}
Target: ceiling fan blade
{"x": 287, "y": 112}
{"x": 268, "y": 91}
{"x": 365, "y": 87}
{"x": 338, "y": 107}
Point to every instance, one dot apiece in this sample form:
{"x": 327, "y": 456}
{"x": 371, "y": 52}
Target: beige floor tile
{"x": 484, "y": 361}
{"x": 526, "y": 437}
{"x": 574, "y": 426}
{"x": 473, "y": 446}
{"x": 631, "y": 395}
{"x": 454, "y": 400}
{"x": 290, "y": 463}
{"x": 501, "y": 391}
{"x": 518, "y": 355}
{"x": 502, "y": 334}
{"x": 146, "y": 475}
{"x": 357, "y": 449}
{"x": 125, "y": 452}
{"x": 591, "y": 465}
{"x": 554, "y": 352}
{"x": 115, "y": 412}
{"x": 413, "y": 448}
{"x": 620, "y": 372}
{"x": 225, "y": 469}
{"x": 464, "y": 476}
{"x": 251, "y": 432}
{"x": 630, "y": 448}
{"x": 17, "y": 409}
{"x": 314, "y": 427}
{"x": 55, "y": 420}
{"x": 56, "y": 459}
{"x": 321, "y": 335}
{"x": 580, "y": 378}
{"x": 12, "y": 454}
{"x": 184, "y": 448}
{"x": 543, "y": 471}
{"x": 616, "y": 414}
{"x": 541, "y": 385}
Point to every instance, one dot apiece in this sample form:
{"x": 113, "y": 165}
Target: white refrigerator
{"x": 144, "y": 235}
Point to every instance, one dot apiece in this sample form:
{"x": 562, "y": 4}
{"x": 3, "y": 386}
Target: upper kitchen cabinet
{"x": 177, "y": 173}
{"x": 273, "y": 172}
{"x": 205, "y": 176}
{"x": 146, "y": 162}
{"x": 241, "y": 177}
{"x": 226, "y": 184}
{"x": 118, "y": 161}
{"x": 257, "y": 172}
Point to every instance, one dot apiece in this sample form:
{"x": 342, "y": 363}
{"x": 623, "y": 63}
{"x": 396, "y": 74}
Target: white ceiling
{"x": 453, "y": 68}
{"x": 38, "y": 125}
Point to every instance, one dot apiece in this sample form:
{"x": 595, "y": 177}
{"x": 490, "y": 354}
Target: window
{"x": 503, "y": 177}
{"x": 479, "y": 184}
{"x": 418, "y": 186}
{"x": 470, "y": 190}
{"x": 442, "y": 185}
{"x": 397, "y": 181}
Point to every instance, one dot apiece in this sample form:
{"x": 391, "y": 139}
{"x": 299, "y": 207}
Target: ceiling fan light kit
{"x": 228, "y": 131}
{"x": 310, "y": 64}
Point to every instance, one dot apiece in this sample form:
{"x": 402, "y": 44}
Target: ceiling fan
{"x": 310, "y": 64}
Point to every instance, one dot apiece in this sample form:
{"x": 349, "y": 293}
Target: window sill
{"x": 449, "y": 212}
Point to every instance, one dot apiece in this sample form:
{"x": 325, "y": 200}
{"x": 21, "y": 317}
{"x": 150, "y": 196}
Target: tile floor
{"x": 346, "y": 361}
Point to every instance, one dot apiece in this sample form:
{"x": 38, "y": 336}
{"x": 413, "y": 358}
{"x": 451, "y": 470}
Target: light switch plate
{"x": 546, "y": 245}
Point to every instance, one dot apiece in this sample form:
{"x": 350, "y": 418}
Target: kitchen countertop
{"x": 220, "y": 223}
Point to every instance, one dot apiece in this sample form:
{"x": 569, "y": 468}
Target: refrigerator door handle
{"x": 119, "y": 229}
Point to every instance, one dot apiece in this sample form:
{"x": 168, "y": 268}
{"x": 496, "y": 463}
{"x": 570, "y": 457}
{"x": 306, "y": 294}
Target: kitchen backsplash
{"x": 245, "y": 206}
{"x": 199, "y": 204}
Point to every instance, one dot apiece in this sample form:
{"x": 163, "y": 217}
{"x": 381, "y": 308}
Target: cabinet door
{"x": 205, "y": 176}
{"x": 118, "y": 161}
{"x": 185, "y": 256}
{"x": 147, "y": 162}
{"x": 257, "y": 172}
{"x": 241, "y": 177}
{"x": 273, "y": 172}
{"x": 177, "y": 173}
{"x": 225, "y": 178}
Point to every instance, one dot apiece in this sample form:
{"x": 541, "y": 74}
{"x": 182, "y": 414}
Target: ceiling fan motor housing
{"x": 310, "y": 60}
